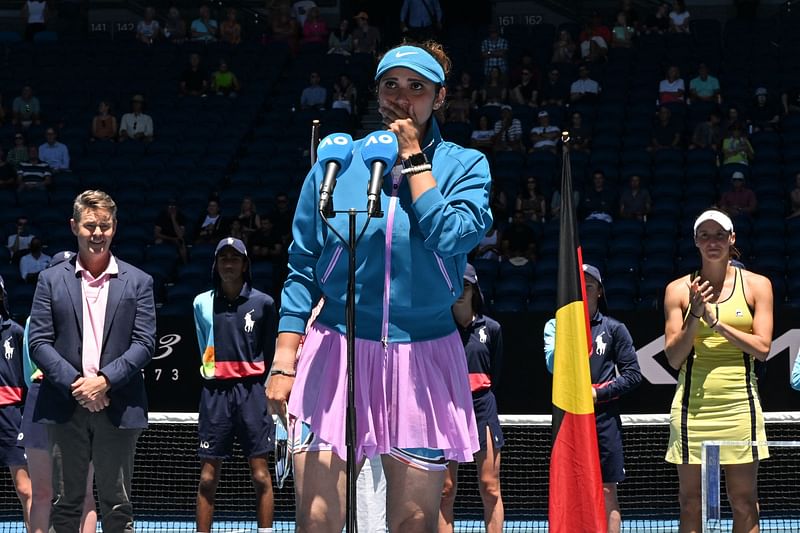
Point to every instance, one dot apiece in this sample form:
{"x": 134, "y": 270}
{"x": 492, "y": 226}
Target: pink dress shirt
{"x": 94, "y": 292}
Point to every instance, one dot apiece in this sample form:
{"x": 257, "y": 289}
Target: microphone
{"x": 334, "y": 152}
{"x": 379, "y": 153}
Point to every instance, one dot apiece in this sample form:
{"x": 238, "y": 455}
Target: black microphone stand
{"x": 350, "y": 325}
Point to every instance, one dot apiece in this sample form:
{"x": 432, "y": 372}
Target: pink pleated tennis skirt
{"x": 408, "y": 395}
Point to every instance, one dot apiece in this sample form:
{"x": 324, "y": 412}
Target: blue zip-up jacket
{"x": 796, "y": 373}
{"x": 406, "y": 281}
{"x": 612, "y": 350}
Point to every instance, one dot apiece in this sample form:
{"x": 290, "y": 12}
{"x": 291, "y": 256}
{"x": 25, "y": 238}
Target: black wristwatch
{"x": 415, "y": 160}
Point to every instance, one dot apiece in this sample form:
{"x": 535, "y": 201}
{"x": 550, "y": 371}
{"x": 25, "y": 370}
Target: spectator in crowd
{"x": 525, "y": 63}
{"x": 315, "y": 30}
{"x": 599, "y": 202}
{"x": 494, "y": 50}
{"x": 705, "y": 87}
{"x": 249, "y": 219}
{"x": 507, "y": 131}
{"x": 211, "y": 224}
{"x": 594, "y": 40}
{"x": 794, "y": 198}
{"x": 495, "y": 89}
{"x": 531, "y": 201}
{"x": 731, "y": 120}
{"x": 93, "y": 393}
{"x": 224, "y": 82}
{"x": 420, "y": 19}
{"x": 580, "y": 135}
{"x": 658, "y": 21}
{"x": 175, "y": 26}
{"x": 671, "y": 90}
{"x": 19, "y": 241}
{"x": 366, "y": 38}
{"x": 340, "y": 40}
{"x": 498, "y": 202}
{"x": 148, "y": 30}
{"x": 739, "y": 200}
{"x": 736, "y": 148}
{"x": 136, "y": 125}
{"x": 527, "y": 91}
{"x": 282, "y": 216}
{"x": 235, "y": 230}
{"x": 266, "y": 243}
{"x": 171, "y": 227}
{"x": 34, "y": 262}
{"x": 459, "y": 105}
{"x": 34, "y": 15}
{"x": 623, "y": 32}
{"x": 19, "y": 152}
{"x": 635, "y": 201}
{"x": 315, "y": 95}
{"x": 584, "y": 89}
{"x": 545, "y": 136}
{"x": 54, "y": 153}
{"x": 8, "y": 174}
{"x": 631, "y": 15}
{"x": 790, "y": 99}
{"x": 764, "y": 115}
{"x": 230, "y": 31}
{"x": 193, "y": 80}
{"x": 555, "y": 203}
{"x": 104, "y": 123}
{"x": 554, "y": 91}
{"x": 204, "y": 28}
{"x": 482, "y": 137}
{"x": 666, "y": 132}
{"x": 470, "y": 90}
{"x": 25, "y": 109}
{"x": 679, "y": 17}
{"x": 34, "y": 173}
{"x": 564, "y": 48}
{"x": 345, "y": 94}
{"x": 707, "y": 134}
{"x": 285, "y": 29}
{"x": 519, "y": 239}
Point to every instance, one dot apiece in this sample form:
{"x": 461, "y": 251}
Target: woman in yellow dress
{"x": 718, "y": 322}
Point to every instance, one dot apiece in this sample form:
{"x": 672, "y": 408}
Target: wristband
{"x": 279, "y": 372}
{"x": 416, "y": 169}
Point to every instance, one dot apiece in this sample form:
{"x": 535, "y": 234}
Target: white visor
{"x": 717, "y": 216}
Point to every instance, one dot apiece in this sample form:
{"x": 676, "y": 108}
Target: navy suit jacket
{"x": 56, "y": 342}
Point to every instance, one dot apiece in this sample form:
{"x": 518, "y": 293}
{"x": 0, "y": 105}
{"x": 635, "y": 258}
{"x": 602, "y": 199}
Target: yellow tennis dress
{"x": 717, "y": 396}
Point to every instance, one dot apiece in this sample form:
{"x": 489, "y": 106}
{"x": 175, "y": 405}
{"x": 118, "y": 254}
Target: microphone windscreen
{"x": 336, "y": 147}
{"x": 380, "y": 146}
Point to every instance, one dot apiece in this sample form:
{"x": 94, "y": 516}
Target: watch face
{"x": 415, "y": 160}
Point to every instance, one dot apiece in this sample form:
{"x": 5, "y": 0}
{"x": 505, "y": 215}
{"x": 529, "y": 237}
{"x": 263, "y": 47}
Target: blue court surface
{"x": 631, "y": 526}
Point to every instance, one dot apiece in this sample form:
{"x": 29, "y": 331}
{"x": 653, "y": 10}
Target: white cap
{"x": 717, "y": 216}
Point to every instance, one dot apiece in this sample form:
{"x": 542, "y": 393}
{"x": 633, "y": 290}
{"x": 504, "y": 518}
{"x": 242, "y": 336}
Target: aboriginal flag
{"x": 576, "y": 485}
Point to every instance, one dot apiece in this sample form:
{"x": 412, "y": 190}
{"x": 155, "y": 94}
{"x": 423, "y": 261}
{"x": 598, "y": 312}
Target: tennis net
{"x": 167, "y": 470}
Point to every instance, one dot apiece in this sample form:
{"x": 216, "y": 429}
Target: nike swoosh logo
{"x": 404, "y": 54}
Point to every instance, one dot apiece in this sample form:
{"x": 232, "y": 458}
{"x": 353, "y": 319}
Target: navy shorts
{"x": 33, "y": 435}
{"x": 11, "y": 454}
{"x": 609, "y": 442}
{"x": 234, "y": 408}
{"x": 485, "y": 407}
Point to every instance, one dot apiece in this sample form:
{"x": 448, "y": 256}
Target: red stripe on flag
{"x": 575, "y": 471}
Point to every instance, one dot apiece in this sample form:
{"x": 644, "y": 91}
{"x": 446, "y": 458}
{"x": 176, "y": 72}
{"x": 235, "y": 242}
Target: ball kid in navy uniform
{"x": 483, "y": 345}
{"x": 615, "y": 372}
{"x": 12, "y": 383}
{"x": 236, "y": 329}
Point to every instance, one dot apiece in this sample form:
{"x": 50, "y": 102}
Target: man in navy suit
{"x": 92, "y": 330}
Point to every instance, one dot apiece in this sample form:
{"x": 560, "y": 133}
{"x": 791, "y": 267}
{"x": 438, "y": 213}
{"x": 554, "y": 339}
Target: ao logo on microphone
{"x": 339, "y": 140}
{"x": 382, "y": 138}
